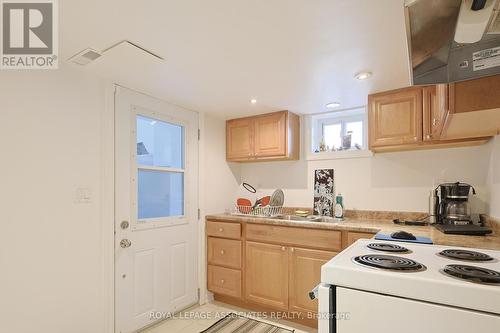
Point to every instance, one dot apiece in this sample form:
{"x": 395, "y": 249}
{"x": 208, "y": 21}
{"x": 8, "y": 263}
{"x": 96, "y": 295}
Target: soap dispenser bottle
{"x": 339, "y": 207}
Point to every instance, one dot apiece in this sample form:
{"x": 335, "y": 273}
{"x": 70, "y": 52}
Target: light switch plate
{"x": 83, "y": 195}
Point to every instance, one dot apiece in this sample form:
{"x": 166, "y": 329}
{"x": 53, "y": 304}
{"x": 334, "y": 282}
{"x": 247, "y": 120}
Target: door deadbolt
{"x": 124, "y": 243}
{"x": 124, "y": 225}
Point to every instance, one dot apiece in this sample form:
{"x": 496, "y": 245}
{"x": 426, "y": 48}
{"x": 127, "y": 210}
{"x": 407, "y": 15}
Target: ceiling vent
{"x": 85, "y": 57}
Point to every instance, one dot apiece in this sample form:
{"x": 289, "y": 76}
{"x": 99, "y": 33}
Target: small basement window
{"x": 340, "y": 131}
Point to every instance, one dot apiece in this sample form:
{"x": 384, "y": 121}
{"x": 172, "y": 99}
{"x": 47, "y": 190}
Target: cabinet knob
{"x": 415, "y": 138}
{"x": 283, "y": 248}
{"x": 221, "y": 229}
{"x": 428, "y": 136}
{"x": 292, "y": 249}
{"x": 222, "y": 281}
{"x": 434, "y": 122}
{"x": 222, "y": 252}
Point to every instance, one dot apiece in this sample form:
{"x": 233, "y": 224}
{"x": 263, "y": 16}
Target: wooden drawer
{"x": 224, "y": 281}
{"x": 354, "y": 236}
{"x": 309, "y": 238}
{"x": 224, "y": 252}
{"x": 224, "y": 229}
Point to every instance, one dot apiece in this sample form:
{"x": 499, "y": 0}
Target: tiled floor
{"x": 198, "y": 318}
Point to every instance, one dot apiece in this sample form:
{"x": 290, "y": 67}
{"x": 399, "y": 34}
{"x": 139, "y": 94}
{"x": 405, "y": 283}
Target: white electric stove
{"x": 380, "y": 286}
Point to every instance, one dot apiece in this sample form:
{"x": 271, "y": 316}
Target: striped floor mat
{"x": 233, "y": 323}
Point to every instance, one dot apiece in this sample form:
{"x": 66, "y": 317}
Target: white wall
{"x": 51, "y": 256}
{"x": 391, "y": 181}
{"x": 494, "y": 178}
{"x": 221, "y": 179}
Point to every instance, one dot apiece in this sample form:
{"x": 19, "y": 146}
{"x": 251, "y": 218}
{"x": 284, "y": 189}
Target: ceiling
{"x": 295, "y": 55}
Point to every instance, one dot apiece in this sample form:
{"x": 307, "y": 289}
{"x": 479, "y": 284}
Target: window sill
{"x": 335, "y": 155}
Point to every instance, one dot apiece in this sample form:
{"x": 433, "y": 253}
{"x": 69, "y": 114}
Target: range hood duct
{"x": 433, "y": 28}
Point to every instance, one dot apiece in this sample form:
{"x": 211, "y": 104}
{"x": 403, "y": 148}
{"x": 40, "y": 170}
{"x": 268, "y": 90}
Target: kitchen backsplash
{"x": 385, "y": 182}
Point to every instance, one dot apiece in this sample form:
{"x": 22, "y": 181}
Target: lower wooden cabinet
{"x": 224, "y": 252}
{"x": 266, "y": 274}
{"x": 281, "y": 277}
{"x": 271, "y": 268}
{"x": 224, "y": 281}
{"x": 304, "y": 275}
{"x": 353, "y": 236}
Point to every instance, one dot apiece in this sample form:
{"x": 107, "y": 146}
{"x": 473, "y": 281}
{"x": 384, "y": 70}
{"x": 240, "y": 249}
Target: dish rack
{"x": 266, "y": 211}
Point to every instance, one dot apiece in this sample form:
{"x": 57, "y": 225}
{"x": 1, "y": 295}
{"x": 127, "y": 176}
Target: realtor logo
{"x": 29, "y": 34}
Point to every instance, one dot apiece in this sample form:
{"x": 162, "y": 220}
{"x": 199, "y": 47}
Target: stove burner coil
{"x": 388, "y": 262}
{"x": 473, "y": 273}
{"x": 465, "y": 255}
{"x": 386, "y": 247}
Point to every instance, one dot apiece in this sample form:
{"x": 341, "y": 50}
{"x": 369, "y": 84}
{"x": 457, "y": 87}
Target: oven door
{"x": 344, "y": 310}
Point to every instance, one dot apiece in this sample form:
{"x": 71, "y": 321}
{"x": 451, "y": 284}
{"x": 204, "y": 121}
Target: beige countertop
{"x": 491, "y": 242}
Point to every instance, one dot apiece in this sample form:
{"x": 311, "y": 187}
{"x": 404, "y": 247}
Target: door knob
{"x": 124, "y": 243}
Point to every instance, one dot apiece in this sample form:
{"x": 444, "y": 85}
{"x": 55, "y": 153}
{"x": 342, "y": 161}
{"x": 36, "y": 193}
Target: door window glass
{"x": 160, "y": 168}
{"x": 159, "y": 143}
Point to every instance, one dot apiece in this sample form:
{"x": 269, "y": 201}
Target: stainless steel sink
{"x": 310, "y": 218}
{"x": 294, "y": 218}
{"x": 326, "y": 219}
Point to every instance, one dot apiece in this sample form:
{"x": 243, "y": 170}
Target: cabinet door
{"x": 305, "y": 274}
{"x": 267, "y": 275}
{"x": 435, "y": 110}
{"x": 271, "y": 135}
{"x": 475, "y": 95}
{"x": 395, "y": 117}
{"x": 239, "y": 139}
{"x": 354, "y": 236}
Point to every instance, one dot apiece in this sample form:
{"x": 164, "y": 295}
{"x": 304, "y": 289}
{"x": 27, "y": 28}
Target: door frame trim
{"x": 107, "y": 212}
{"x": 108, "y": 206}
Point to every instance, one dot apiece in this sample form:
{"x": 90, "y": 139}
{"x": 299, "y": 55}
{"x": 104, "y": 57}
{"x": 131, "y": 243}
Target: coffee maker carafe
{"x": 453, "y": 210}
{"x": 454, "y": 206}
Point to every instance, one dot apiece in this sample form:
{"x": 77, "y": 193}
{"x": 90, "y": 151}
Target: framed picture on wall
{"x": 324, "y": 192}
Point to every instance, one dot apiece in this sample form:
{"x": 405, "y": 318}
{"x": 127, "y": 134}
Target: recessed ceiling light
{"x": 253, "y": 101}
{"x": 333, "y": 105}
{"x": 363, "y": 75}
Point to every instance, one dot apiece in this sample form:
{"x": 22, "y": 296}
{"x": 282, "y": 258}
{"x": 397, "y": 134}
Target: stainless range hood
{"x": 452, "y": 40}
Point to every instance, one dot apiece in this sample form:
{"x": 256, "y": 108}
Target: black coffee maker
{"x": 454, "y": 212}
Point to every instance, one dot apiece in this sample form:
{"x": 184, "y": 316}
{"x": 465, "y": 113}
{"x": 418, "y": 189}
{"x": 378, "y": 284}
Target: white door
{"x": 156, "y": 209}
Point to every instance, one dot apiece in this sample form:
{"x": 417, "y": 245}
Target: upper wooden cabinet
{"x": 475, "y": 95}
{"x": 474, "y": 109}
{"x": 435, "y": 111}
{"x": 239, "y": 138}
{"x": 395, "y": 117}
{"x": 270, "y": 132}
{"x": 465, "y": 113}
{"x": 273, "y": 136}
